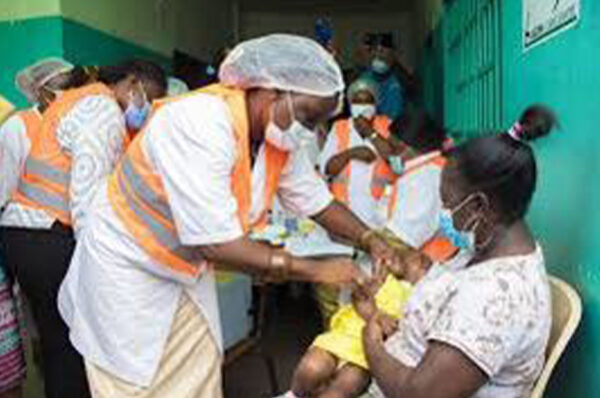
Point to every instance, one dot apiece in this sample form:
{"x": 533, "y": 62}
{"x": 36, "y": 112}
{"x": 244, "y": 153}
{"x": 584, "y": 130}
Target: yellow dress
{"x": 344, "y": 338}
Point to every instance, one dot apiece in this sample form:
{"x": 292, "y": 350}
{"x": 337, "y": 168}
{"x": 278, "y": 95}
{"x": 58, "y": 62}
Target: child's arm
{"x": 363, "y": 298}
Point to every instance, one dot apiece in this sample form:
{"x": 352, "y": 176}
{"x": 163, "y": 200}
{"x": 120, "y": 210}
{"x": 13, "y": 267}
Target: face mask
{"x": 136, "y": 115}
{"x": 380, "y": 66}
{"x": 460, "y": 239}
{"x": 397, "y": 164}
{"x": 289, "y": 139}
{"x": 367, "y": 111}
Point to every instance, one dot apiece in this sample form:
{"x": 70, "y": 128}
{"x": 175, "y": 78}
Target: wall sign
{"x": 543, "y": 18}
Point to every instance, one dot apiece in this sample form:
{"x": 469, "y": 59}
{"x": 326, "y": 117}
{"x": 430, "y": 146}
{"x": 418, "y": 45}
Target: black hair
{"x": 419, "y": 130}
{"x": 503, "y": 166}
{"x": 142, "y": 69}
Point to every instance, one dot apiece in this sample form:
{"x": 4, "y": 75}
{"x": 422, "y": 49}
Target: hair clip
{"x": 516, "y": 131}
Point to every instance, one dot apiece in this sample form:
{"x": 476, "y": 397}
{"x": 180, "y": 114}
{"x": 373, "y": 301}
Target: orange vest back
{"x": 382, "y": 172}
{"x": 138, "y": 197}
{"x": 438, "y": 249}
{"x": 32, "y": 120}
{"x": 46, "y": 178}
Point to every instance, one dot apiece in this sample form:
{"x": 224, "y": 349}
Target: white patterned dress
{"x": 497, "y": 313}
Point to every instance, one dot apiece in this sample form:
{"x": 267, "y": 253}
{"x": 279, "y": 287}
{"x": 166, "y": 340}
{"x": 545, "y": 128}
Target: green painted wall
{"x": 23, "y": 42}
{"x": 198, "y": 27}
{"x": 11, "y": 10}
{"x": 564, "y": 74}
{"x": 565, "y": 215}
{"x": 88, "y": 46}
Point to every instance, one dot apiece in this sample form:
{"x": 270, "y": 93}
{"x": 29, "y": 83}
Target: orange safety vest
{"x": 438, "y": 248}
{"x": 32, "y": 120}
{"x": 382, "y": 172}
{"x": 46, "y": 177}
{"x": 139, "y": 199}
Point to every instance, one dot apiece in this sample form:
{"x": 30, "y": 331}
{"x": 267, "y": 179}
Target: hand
{"x": 384, "y": 256}
{"x": 363, "y": 154}
{"x": 373, "y": 333}
{"x": 363, "y": 126}
{"x": 389, "y": 325}
{"x": 339, "y": 271}
{"x": 363, "y": 298}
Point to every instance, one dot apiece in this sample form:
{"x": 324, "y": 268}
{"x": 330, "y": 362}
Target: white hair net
{"x": 283, "y": 62}
{"x": 32, "y": 77}
{"x": 363, "y": 84}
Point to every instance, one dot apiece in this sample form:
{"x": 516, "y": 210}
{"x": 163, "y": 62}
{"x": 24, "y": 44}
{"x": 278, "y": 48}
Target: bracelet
{"x": 363, "y": 242}
{"x": 279, "y": 266}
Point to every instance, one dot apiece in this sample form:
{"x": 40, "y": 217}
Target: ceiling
{"x": 327, "y": 5}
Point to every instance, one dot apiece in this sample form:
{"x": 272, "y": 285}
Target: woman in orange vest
{"x": 36, "y": 82}
{"x": 140, "y": 295}
{"x": 355, "y": 155}
{"x": 414, "y": 204}
{"x": 80, "y": 139}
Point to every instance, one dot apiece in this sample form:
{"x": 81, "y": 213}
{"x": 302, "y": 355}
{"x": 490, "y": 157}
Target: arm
{"x": 444, "y": 372}
{"x": 95, "y": 140}
{"x": 338, "y": 163}
{"x": 244, "y": 255}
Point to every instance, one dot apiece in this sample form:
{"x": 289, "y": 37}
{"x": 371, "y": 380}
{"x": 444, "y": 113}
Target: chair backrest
{"x": 566, "y": 314}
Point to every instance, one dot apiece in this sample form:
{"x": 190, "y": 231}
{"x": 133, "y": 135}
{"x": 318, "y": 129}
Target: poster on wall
{"x": 545, "y": 18}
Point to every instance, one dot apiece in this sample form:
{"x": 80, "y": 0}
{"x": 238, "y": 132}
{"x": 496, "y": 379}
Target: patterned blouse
{"x": 497, "y": 313}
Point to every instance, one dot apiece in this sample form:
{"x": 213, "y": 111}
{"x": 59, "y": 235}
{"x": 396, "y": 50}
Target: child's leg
{"x": 316, "y": 367}
{"x": 350, "y": 381}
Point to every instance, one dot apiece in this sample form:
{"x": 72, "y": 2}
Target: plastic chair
{"x": 566, "y": 314}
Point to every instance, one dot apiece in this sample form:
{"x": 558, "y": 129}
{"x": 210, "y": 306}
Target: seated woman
{"x": 478, "y": 330}
{"x": 336, "y": 364}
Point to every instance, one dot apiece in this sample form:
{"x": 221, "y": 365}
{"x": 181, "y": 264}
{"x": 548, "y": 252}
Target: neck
{"x": 513, "y": 240}
{"x": 256, "y": 125}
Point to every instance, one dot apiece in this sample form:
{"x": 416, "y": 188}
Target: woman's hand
{"x": 373, "y": 333}
{"x": 363, "y": 126}
{"x": 337, "y": 271}
{"x": 384, "y": 256}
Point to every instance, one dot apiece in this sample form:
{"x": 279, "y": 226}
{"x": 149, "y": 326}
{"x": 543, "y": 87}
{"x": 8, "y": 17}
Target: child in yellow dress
{"x": 336, "y": 363}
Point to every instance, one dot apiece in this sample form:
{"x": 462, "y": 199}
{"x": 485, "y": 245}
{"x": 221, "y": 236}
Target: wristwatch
{"x": 373, "y": 135}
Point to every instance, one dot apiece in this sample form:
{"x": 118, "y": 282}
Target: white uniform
{"x": 118, "y": 302}
{"x": 415, "y": 219}
{"x": 360, "y": 199}
{"x": 14, "y": 148}
{"x": 93, "y": 132}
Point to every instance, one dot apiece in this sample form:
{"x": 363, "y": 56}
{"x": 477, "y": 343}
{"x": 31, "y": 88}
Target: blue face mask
{"x": 461, "y": 239}
{"x": 135, "y": 116}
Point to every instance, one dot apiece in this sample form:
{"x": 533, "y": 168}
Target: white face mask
{"x": 380, "y": 66}
{"x": 289, "y": 139}
{"x": 368, "y": 111}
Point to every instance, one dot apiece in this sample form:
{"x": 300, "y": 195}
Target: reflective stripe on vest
{"x": 438, "y": 249}
{"x": 382, "y": 172}
{"x": 46, "y": 177}
{"x": 139, "y": 199}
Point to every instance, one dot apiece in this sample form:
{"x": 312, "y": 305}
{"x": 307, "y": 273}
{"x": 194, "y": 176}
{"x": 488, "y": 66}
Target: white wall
{"x": 347, "y": 26}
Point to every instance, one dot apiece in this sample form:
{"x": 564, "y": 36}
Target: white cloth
{"x": 14, "y": 148}
{"x": 360, "y": 199}
{"x": 497, "y": 313}
{"x": 113, "y": 289}
{"x": 415, "y": 219}
{"x": 93, "y": 133}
